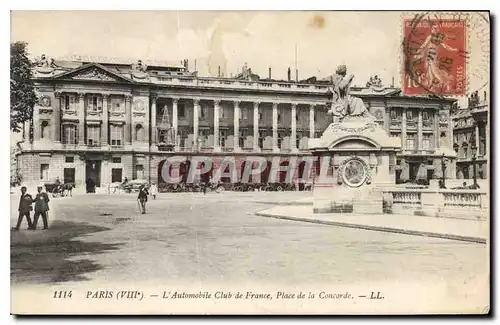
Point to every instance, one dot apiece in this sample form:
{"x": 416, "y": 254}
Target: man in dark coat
{"x": 41, "y": 208}
{"x": 143, "y": 198}
{"x": 24, "y": 209}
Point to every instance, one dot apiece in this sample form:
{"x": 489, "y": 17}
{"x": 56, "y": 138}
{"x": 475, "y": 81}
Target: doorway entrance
{"x": 93, "y": 171}
{"x": 69, "y": 175}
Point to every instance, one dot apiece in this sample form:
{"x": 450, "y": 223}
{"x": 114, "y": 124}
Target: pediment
{"x": 92, "y": 72}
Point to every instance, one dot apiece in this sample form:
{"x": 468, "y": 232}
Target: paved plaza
{"x": 218, "y": 237}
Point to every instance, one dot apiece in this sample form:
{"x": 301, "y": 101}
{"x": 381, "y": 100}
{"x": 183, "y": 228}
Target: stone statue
{"x": 343, "y": 104}
{"x": 139, "y": 66}
{"x": 43, "y": 62}
{"x": 374, "y": 81}
{"x": 139, "y": 70}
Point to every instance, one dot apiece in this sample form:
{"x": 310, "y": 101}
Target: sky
{"x": 368, "y": 43}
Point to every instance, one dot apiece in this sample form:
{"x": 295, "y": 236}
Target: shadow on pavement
{"x": 43, "y": 256}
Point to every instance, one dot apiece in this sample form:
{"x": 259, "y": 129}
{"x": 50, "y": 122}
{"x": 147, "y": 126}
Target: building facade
{"x": 471, "y": 130}
{"x": 106, "y": 119}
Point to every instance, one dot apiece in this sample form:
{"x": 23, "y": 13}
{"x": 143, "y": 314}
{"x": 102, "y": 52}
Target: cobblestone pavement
{"x": 217, "y": 237}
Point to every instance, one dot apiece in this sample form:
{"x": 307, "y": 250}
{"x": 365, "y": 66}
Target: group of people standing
{"x": 26, "y": 202}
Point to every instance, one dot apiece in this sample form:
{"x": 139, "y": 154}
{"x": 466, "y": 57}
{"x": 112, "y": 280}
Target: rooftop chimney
{"x": 270, "y": 73}
{"x": 296, "y": 75}
{"x": 218, "y": 71}
{"x": 289, "y": 74}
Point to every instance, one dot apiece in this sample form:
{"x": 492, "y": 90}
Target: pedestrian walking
{"x": 25, "y": 208}
{"x": 41, "y": 208}
{"x": 153, "y": 189}
{"x": 143, "y": 198}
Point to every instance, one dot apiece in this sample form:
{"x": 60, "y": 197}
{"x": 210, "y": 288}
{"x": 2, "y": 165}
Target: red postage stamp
{"x": 435, "y": 57}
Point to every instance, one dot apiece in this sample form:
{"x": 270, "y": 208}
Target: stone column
{"x": 216, "y": 126}
{"x": 311, "y": 121}
{"x": 81, "y": 119}
{"x": 105, "y": 122}
{"x": 128, "y": 120}
{"x": 436, "y": 130}
{"x": 36, "y": 124}
{"x": 256, "y": 126}
{"x": 196, "y": 109}
{"x": 293, "y": 138}
{"x": 236, "y": 122}
{"x": 403, "y": 129}
{"x": 275, "y": 128}
{"x": 175, "y": 122}
{"x": 419, "y": 130}
{"x": 154, "y": 131}
{"x": 56, "y": 118}
{"x": 477, "y": 137}
{"x": 450, "y": 130}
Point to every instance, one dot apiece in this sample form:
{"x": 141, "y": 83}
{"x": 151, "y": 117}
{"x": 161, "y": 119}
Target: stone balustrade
{"x": 459, "y": 203}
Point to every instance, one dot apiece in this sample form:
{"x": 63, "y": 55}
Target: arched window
{"x": 139, "y": 132}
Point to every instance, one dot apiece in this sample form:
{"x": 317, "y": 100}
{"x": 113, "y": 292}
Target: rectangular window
{"x": 116, "y": 160}
{"x": 116, "y": 104}
{"x": 221, "y": 112}
{"x": 94, "y": 103}
{"x": 140, "y": 171}
{"x": 181, "y": 110}
{"x": 116, "y": 175}
{"x": 44, "y": 171}
{"x": 69, "y": 159}
{"x": 244, "y": 113}
{"x": 116, "y": 135}
{"x": 93, "y": 135}
{"x": 410, "y": 142}
{"x": 70, "y": 134}
{"x": 69, "y": 102}
{"x": 426, "y": 142}
{"x": 222, "y": 138}
{"x": 260, "y": 116}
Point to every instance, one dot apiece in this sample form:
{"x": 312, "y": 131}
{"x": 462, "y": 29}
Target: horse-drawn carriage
{"x": 59, "y": 189}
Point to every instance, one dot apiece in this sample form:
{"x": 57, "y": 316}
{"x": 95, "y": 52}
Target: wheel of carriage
{"x": 220, "y": 189}
{"x": 279, "y": 188}
{"x": 55, "y": 192}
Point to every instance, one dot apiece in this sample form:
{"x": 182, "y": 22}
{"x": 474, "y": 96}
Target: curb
{"x": 377, "y": 228}
{"x": 285, "y": 203}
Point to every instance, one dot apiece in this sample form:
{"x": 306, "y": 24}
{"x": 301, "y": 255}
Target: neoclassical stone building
{"x": 106, "y": 119}
{"x": 470, "y": 128}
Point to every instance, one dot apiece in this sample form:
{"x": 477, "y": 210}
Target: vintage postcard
{"x": 250, "y": 162}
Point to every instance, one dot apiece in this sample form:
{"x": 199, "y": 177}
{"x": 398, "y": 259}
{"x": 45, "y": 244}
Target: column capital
{"x": 196, "y": 101}
{"x": 256, "y": 104}
{"x": 175, "y": 100}
{"x": 128, "y": 98}
{"x": 81, "y": 95}
{"x": 275, "y": 105}
{"x": 57, "y": 94}
{"x": 105, "y": 96}
{"x": 237, "y": 103}
{"x": 294, "y": 105}
{"x": 217, "y": 102}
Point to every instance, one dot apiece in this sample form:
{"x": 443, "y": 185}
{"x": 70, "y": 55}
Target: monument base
{"x": 342, "y": 199}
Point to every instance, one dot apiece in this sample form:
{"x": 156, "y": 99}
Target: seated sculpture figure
{"x": 343, "y": 103}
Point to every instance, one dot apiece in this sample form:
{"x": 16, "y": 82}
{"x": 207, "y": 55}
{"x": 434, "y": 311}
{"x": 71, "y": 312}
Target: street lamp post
{"x": 474, "y": 152}
{"x": 443, "y": 169}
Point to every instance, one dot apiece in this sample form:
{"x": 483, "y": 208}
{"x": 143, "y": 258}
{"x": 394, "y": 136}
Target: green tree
{"x": 22, "y": 91}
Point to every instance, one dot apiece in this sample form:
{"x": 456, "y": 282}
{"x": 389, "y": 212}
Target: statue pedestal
{"x": 361, "y": 159}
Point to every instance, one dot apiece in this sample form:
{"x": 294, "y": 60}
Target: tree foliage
{"x": 22, "y": 91}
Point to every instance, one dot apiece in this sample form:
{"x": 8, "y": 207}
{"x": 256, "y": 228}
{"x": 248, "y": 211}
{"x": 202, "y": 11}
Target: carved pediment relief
{"x": 94, "y": 74}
